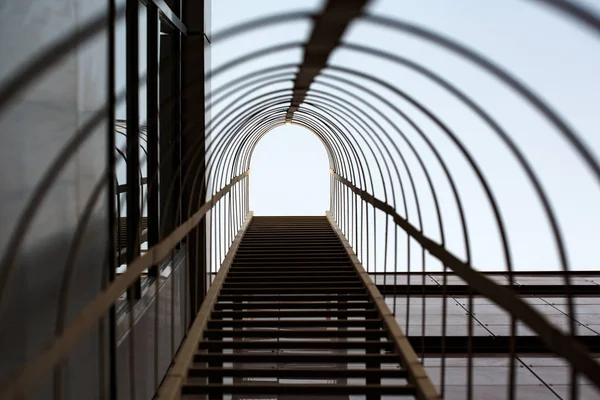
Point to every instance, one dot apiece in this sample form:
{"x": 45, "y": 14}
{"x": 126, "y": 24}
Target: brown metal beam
{"x": 329, "y": 28}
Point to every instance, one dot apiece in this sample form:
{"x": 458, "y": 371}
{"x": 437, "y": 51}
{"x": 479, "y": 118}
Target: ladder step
{"x": 292, "y": 290}
{"x": 297, "y": 344}
{"x": 303, "y": 323}
{"x": 234, "y": 278}
{"x": 331, "y": 241}
{"x": 298, "y": 284}
{"x": 289, "y": 252}
{"x": 270, "y": 246}
{"x": 300, "y": 389}
{"x": 292, "y": 305}
{"x": 298, "y": 334}
{"x": 291, "y": 263}
{"x": 279, "y": 237}
{"x": 292, "y": 257}
{"x": 293, "y": 297}
{"x": 300, "y": 358}
{"x": 291, "y": 270}
{"x": 294, "y": 314}
{"x": 242, "y": 273}
{"x": 303, "y": 373}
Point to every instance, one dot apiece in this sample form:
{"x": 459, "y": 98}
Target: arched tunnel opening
{"x": 289, "y": 174}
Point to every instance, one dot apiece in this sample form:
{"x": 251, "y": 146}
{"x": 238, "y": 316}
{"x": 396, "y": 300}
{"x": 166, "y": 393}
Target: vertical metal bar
{"x": 395, "y": 277}
{"x": 193, "y": 141}
{"x": 331, "y": 194}
{"x": 225, "y": 224}
{"x": 362, "y": 230}
{"x": 177, "y": 125}
{"x": 347, "y": 205}
{"x": 368, "y": 241}
{"x": 118, "y": 216}
{"x": 237, "y": 210}
{"x": 168, "y": 148}
{"x": 343, "y": 209}
{"x": 199, "y": 269}
{"x": 349, "y": 214}
{"x": 512, "y": 373}
{"x": 408, "y": 283}
{"x": 385, "y": 256}
{"x": 355, "y": 205}
{"x": 133, "y": 161}
{"x": 444, "y": 328}
{"x": 339, "y": 203}
{"x": 173, "y": 294}
{"x": 220, "y": 232}
{"x": 112, "y": 197}
{"x": 239, "y": 204}
{"x": 248, "y": 194}
{"x": 423, "y": 303}
{"x": 344, "y": 204}
{"x": 230, "y": 217}
{"x": 374, "y": 380}
{"x": 227, "y": 218}
{"x": 374, "y": 240}
{"x": 152, "y": 129}
{"x": 470, "y": 347}
{"x": 333, "y": 202}
{"x": 232, "y": 212}
{"x": 210, "y": 243}
{"x": 133, "y": 140}
{"x": 233, "y": 209}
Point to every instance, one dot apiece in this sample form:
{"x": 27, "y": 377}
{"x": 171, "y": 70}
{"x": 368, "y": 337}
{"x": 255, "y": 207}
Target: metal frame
{"x": 416, "y": 373}
{"x": 563, "y": 345}
{"x": 177, "y": 374}
{"x": 351, "y": 131}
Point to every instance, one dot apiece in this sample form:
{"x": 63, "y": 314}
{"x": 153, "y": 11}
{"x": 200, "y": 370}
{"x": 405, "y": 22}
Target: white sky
{"x": 556, "y": 58}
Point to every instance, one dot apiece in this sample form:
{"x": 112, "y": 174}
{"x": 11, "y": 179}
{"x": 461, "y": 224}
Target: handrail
{"x": 60, "y": 348}
{"x": 417, "y": 374}
{"x": 171, "y": 385}
{"x": 563, "y": 345}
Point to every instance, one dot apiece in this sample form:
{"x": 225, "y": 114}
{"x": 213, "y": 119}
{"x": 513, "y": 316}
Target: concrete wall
{"x": 33, "y": 130}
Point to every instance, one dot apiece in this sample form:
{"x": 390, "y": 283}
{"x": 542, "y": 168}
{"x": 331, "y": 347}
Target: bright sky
{"x": 556, "y": 58}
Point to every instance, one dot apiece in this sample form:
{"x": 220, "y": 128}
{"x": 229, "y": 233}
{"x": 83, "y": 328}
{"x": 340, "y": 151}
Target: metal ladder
{"x": 295, "y": 317}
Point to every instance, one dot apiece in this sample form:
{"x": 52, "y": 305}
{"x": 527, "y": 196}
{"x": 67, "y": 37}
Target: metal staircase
{"x": 298, "y": 316}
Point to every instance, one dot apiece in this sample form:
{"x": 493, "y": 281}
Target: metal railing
{"x": 197, "y": 168}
